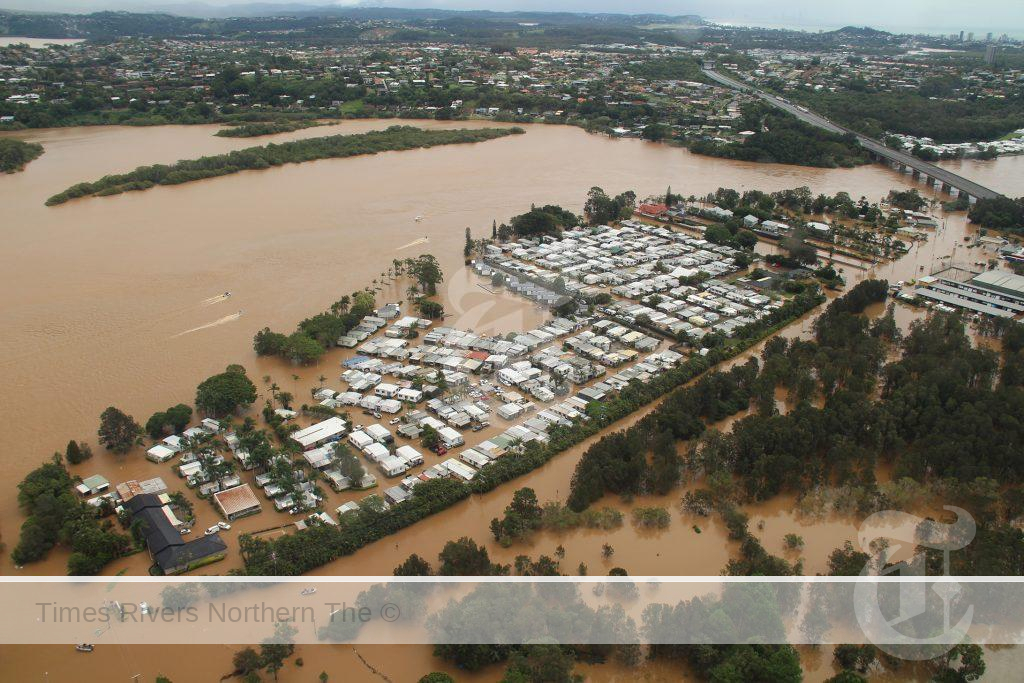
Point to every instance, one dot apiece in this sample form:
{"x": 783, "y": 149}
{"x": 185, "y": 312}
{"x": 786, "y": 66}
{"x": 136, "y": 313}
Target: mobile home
{"x": 331, "y": 429}
{"x": 385, "y": 390}
{"x": 380, "y": 434}
{"x": 392, "y": 466}
{"x": 410, "y": 455}
{"x": 450, "y": 438}
{"x": 458, "y": 469}
{"x": 376, "y": 452}
{"x": 360, "y": 439}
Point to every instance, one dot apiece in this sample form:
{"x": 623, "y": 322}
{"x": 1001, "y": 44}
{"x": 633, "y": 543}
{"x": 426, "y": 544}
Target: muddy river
{"x": 114, "y": 301}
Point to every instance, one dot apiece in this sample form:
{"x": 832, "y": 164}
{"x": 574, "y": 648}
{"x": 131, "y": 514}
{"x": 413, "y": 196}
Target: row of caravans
{"x": 374, "y": 441}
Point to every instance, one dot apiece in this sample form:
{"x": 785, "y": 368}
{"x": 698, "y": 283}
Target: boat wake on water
{"x": 215, "y": 299}
{"x": 216, "y": 323}
{"x": 422, "y": 240}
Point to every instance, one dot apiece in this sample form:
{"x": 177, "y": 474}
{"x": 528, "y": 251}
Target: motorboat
{"x": 308, "y": 591}
{"x": 84, "y": 647}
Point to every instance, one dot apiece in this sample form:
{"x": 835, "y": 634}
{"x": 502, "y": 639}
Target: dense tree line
{"x": 14, "y": 154}
{"x": 944, "y": 413}
{"x": 299, "y": 553}
{"x": 260, "y": 128}
{"x": 318, "y": 333}
{"x": 907, "y": 199}
{"x": 175, "y": 419}
{"x": 948, "y": 411}
{"x": 1001, "y": 213}
{"x": 781, "y": 138}
{"x": 618, "y": 463}
{"x": 543, "y": 220}
{"x": 56, "y": 516}
{"x": 943, "y": 120}
{"x": 298, "y": 151}
{"x": 600, "y": 209}
{"x": 676, "y": 68}
{"x": 224, "y": 393}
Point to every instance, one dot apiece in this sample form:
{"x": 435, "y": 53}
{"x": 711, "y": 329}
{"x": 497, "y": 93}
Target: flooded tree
{"x": 118, "y": 431}
{"x": 223, "y": 394}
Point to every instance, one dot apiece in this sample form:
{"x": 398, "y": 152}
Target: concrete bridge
{"x": 935, "y": 177}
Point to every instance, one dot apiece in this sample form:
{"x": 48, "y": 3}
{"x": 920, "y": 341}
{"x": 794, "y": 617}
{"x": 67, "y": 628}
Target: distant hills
{"x": 860, "y": 31}
{"x": 374, "y": 10}
{"x": 341, "y": 23}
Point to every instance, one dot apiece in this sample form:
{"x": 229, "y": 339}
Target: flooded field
{"x": 119, "y": 301}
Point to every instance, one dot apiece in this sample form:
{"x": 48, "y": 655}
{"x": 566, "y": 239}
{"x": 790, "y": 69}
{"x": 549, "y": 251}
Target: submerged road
{"x": 932, "y": 172}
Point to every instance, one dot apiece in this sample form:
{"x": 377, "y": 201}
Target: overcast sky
{"x": 931, "y": 15}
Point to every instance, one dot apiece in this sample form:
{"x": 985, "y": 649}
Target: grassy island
{"x": 330, "y": 147}
{"x": 14, "y": 154}
{"x": 255, "y": 129}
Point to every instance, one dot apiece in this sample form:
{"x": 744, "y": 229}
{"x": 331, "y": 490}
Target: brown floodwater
{"x": 1002, "y": 174}
{"x": 107, "y": 304}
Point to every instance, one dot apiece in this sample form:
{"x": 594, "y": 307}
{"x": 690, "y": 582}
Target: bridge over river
{"x": 938, "y": 178}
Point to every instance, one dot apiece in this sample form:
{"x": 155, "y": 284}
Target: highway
{"x": 934, "y": 173}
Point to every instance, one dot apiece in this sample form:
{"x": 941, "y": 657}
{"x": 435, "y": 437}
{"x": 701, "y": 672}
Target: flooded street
{"x": 114, "y": 301}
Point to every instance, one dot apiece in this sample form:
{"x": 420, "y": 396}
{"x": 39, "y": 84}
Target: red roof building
{"x": 653, "y": 210}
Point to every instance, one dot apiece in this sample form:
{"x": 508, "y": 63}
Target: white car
{"x": 212, "y": 530}
{"x": 224, "y": 525}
